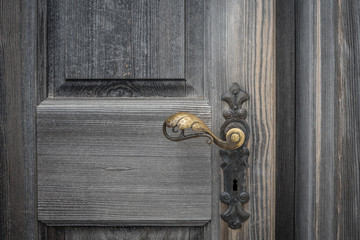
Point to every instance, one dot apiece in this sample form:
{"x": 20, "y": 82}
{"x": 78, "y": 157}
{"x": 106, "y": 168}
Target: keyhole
{"x": 235, "y": 185}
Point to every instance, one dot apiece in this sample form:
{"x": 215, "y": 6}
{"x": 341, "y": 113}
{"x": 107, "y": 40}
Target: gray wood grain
{"x": 17, "y": 114}
{"x": 250, "y": 61}
{"x": 172, "y": 40}
{"x": 244, "y": 31}
{"x": 285, "y": 120}
{"x": 97, "y": 38}
{"x": 328, "y": 160}
{"x": 124, "y": 39}
{"x": 126, "y": 233}
{"x": 194, "y": 46}
{"x": 213, "y": 65}
{"x": 42, "y": 83}
{"x": 109, "y": 161}
{"x": 111, "y": 40}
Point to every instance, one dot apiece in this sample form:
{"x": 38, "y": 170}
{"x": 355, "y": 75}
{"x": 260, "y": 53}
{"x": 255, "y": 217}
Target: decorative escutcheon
{"x": 234, "y": 137}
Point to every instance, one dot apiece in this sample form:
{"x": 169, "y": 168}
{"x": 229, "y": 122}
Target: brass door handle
{"x": 235, "y": 133}
{"x": 235, "y": 137}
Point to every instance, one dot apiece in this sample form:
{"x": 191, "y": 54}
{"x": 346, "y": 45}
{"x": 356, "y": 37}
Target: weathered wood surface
{"x": 111, "y": 40}
{"x": 242, "y": 43}
{"x": 126, "y": 233}
{"x": 17, "y": 114}
{"x": 328, "y": 121}
{"x": 41, "y": 48}
{"x": 108, "y": 160}
{"x": 285, "y": 119}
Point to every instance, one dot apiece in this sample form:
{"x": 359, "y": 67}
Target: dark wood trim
{"x": 17, "y": 122}
{"x": 42, "y": 86}
{"x": 328, "y": 120}
{"x": 285, "y": 119}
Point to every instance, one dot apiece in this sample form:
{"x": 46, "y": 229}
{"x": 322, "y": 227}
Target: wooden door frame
{"x": 20, "y": 92}
{"x": 318, "y": 72}
{"x": 18, "y": 73}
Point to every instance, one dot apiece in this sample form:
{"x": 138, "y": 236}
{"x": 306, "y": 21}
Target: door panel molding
{"x": 169, "y": 59}
{"x": 107, "y": 160}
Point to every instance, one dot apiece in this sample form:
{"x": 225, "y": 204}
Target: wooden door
{"x": 108, "y": 73}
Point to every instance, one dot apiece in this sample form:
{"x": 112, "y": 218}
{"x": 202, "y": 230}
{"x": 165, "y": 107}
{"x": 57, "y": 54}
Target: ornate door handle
{"x": 234, "y": 137}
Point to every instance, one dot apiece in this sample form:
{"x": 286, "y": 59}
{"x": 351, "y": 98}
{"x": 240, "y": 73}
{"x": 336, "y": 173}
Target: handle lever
{"x": 235, "y": 137}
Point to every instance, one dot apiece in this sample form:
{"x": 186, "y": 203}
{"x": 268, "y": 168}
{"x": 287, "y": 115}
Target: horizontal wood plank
{"x": 108, "y": 160}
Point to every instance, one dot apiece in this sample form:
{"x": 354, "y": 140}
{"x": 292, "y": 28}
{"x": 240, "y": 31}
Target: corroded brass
{"x": 235, "y": 137}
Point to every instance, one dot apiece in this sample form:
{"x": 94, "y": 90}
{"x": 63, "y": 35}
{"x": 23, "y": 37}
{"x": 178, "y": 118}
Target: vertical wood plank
{"x": 214, "y": 63}
{"x": 158, "y": 39}
{"x": 172, "y": 39}
{"x": 239, "y": 19}
{"x": 327, "y": 158}
{"x": 311, "y": 112}
{"x": 285, "y": 119}
{"x": 145, "y": 38}
{"x": 96, "y": 38}
{"x": 248, "y": 41}
{"x": 347, "y": 121}
{"x": 195, "y": 47}
{"x": 55, "y": 45}
{"x": 42, "y": 82}
{"x": 242, "y": 49}
{"x": 17, "y": 114}
{"x": 260, "y": 79}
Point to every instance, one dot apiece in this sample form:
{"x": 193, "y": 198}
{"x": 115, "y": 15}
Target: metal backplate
{"x": 235, "y": 161}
